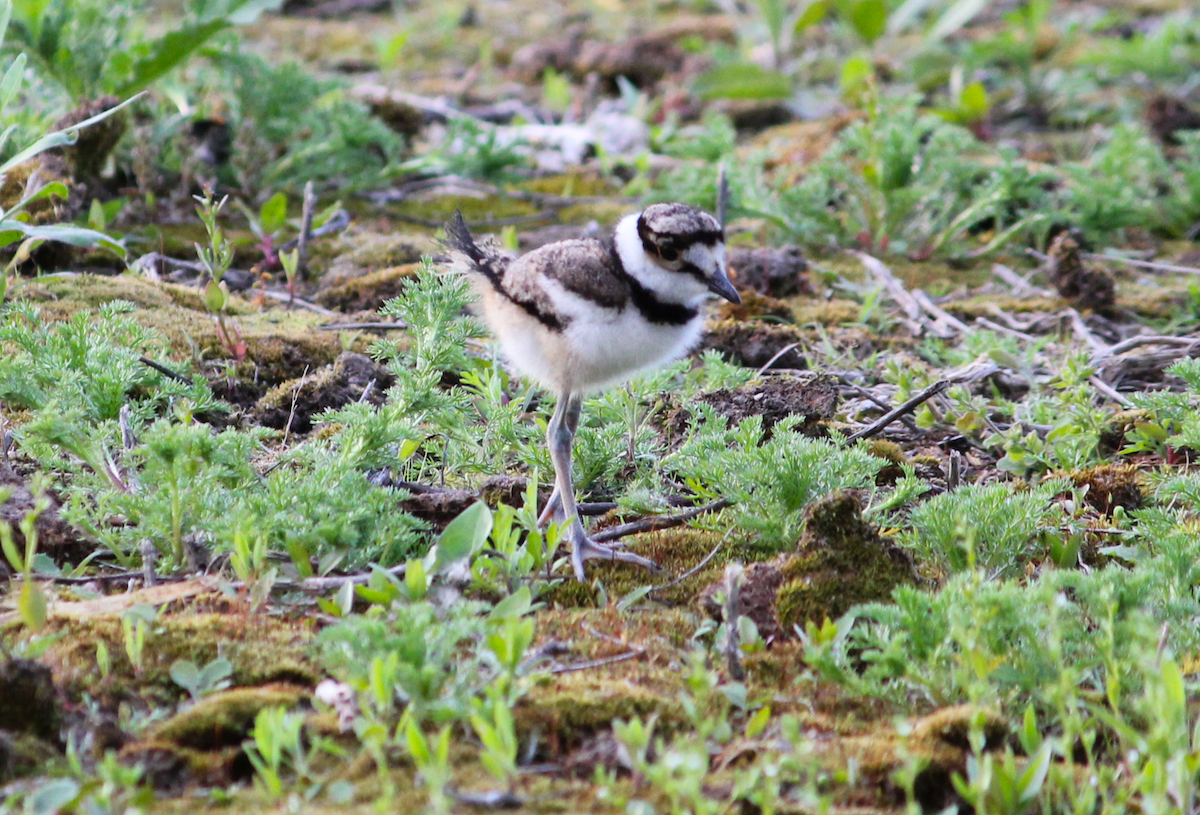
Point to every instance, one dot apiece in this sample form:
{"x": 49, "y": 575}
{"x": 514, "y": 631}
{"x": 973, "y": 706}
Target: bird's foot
{"x": 584, "y": 548}
{"x": 552, "y": 511}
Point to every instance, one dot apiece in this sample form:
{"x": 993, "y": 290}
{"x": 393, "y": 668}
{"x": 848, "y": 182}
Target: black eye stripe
{"x": 655, "y": 244}
{"x": 695, "y": 271}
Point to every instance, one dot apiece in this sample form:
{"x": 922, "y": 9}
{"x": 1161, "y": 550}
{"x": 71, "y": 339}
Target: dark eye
{"x": 668, "y": 253}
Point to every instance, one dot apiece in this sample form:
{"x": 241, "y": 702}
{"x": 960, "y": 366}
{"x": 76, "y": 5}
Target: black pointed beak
{"x": 719, "y": 285}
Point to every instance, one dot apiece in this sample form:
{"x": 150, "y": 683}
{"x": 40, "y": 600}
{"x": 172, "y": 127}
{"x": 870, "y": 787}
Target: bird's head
{"x": 689, "y": 242}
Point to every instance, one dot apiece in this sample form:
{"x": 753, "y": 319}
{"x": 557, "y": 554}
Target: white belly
{"x": 624, "y": 344}
{"x": 599, "y": 348}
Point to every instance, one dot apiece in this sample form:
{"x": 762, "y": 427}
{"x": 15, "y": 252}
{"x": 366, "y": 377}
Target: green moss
{"x": 362, "y": 251}
{"x": 473, "y": 209}
{"x": 224, "y": 719}
{"x": 842, "y": 562}
{"x": 571, "y": 706}
{"x": 23, "y": 754}
{"x": 813, "y": 310}
{"x": 578, "y": 184}
{"x": 262, "y": 649}
{"x": 281, "y": 344}
{"x": 369, "y": 291}
{"x": 674, "y": 550}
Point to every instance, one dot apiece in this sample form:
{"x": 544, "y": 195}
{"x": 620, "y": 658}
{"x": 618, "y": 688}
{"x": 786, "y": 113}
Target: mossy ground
{"x": 613, "y": 664}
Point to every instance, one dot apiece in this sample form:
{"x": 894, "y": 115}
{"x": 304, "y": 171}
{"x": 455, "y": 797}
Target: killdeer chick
{"x": 578, "y": 316}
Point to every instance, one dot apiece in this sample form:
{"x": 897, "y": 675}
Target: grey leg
{"x": 560, "y": 435}
{"x": 571, "y": 407}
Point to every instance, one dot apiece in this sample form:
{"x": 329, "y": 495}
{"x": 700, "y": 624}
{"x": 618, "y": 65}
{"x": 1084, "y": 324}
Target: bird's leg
{"x": 560, "y": 434}
{"x": 571, "y": 411}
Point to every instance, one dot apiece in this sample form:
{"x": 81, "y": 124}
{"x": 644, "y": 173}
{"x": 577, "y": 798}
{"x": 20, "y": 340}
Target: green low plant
{"x": 283, "y": 754}
{"x": 90, "y": 48}
{"x": 992, "y": 528}
{"x": 769, "y": 479}
{"x": 201, "y": 681}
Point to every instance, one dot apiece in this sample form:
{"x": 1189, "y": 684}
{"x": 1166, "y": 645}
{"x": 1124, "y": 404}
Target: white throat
{"x": 668, "y": 286}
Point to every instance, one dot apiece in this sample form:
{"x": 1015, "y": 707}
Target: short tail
{"x": 459, "y": 239}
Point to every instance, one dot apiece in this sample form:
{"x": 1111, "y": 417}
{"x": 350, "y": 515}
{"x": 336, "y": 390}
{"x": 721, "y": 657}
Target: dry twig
{"x": 657, "y": 522}
{"x": 907, "y": 407}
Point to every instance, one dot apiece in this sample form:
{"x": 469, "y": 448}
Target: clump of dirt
{"x": 86, "y": 157}
{"x": 370, "y": 291}
{"x": 28, "y": 700}
{"x": 438, "y": 507}
{"x": 643, "y": 60}
{"x": 939, "y": 741}
{"x": 893, "y": 454}
{"x": 813, "y": 397}
{"x": 1111, "y": 486}
{"x": 842, "y": 561}
{"x": 760, "y": 584}
{"x": 778, "y": 272}
{"x": 292, "y": 405}
{"x": 391, "y": 108}
{"x": 1083, "y": 286}
{"x": 56, "y": 538}
{"x": 1167, "y": 116}
{"x": 505, "y": 489}
{"x": 753, "y": 344}
{"x": 202, "y": 745}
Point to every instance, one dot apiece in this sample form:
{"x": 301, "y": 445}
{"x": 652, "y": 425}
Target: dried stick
{"x": 733, "y": 610}
{"x": 304, "y": 304}
{"x": 597, "y": 663}
{"x": 306, "y": 222}
{"x": 1144, "y": 339}
{"x": 944, "y": 321}
{"x": 875, "y": 400}
{"x": 911, "y": 308}
{"x": 723, "y": 198}
{"x": 1145, "y": 264}
{"x": 694, "y": 569}
{"x": 902, "y": 410}
{"x": 658, "y": 522}
{"x": 164, "y": 370}
{"x": 1080, "y": 328}
{"x": 776, "y": 358}
{"x": 363, "y": 327}
{"x": 1109, "y": 391}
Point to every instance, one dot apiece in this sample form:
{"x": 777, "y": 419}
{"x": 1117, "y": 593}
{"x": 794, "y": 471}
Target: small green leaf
{"x": 273, "y": 213}
{"x": 634, "y": 596}
{"x": 186, "y": 675}
{"x": 868, "y": 18}
{"x": 415, "y": 579}
{"x": 974, "y": 101}
{"x": 344, "y": 599}
{"x": 52, "y": 797}
{"x": 96, "y": 215}
{"x": 516, "y": 604}
{"x": 464, "y": 536}
{"x": 857, "y": 75}
{"x": 11, "y": 81}
{"x": 742, "y": 81}
{"x": 758, "y": 722}
{"x": 73, "y": 235}
{"x": 813, "y": 14}
{"x": 215, "y": 297}
{"x": 31, "y": 604}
